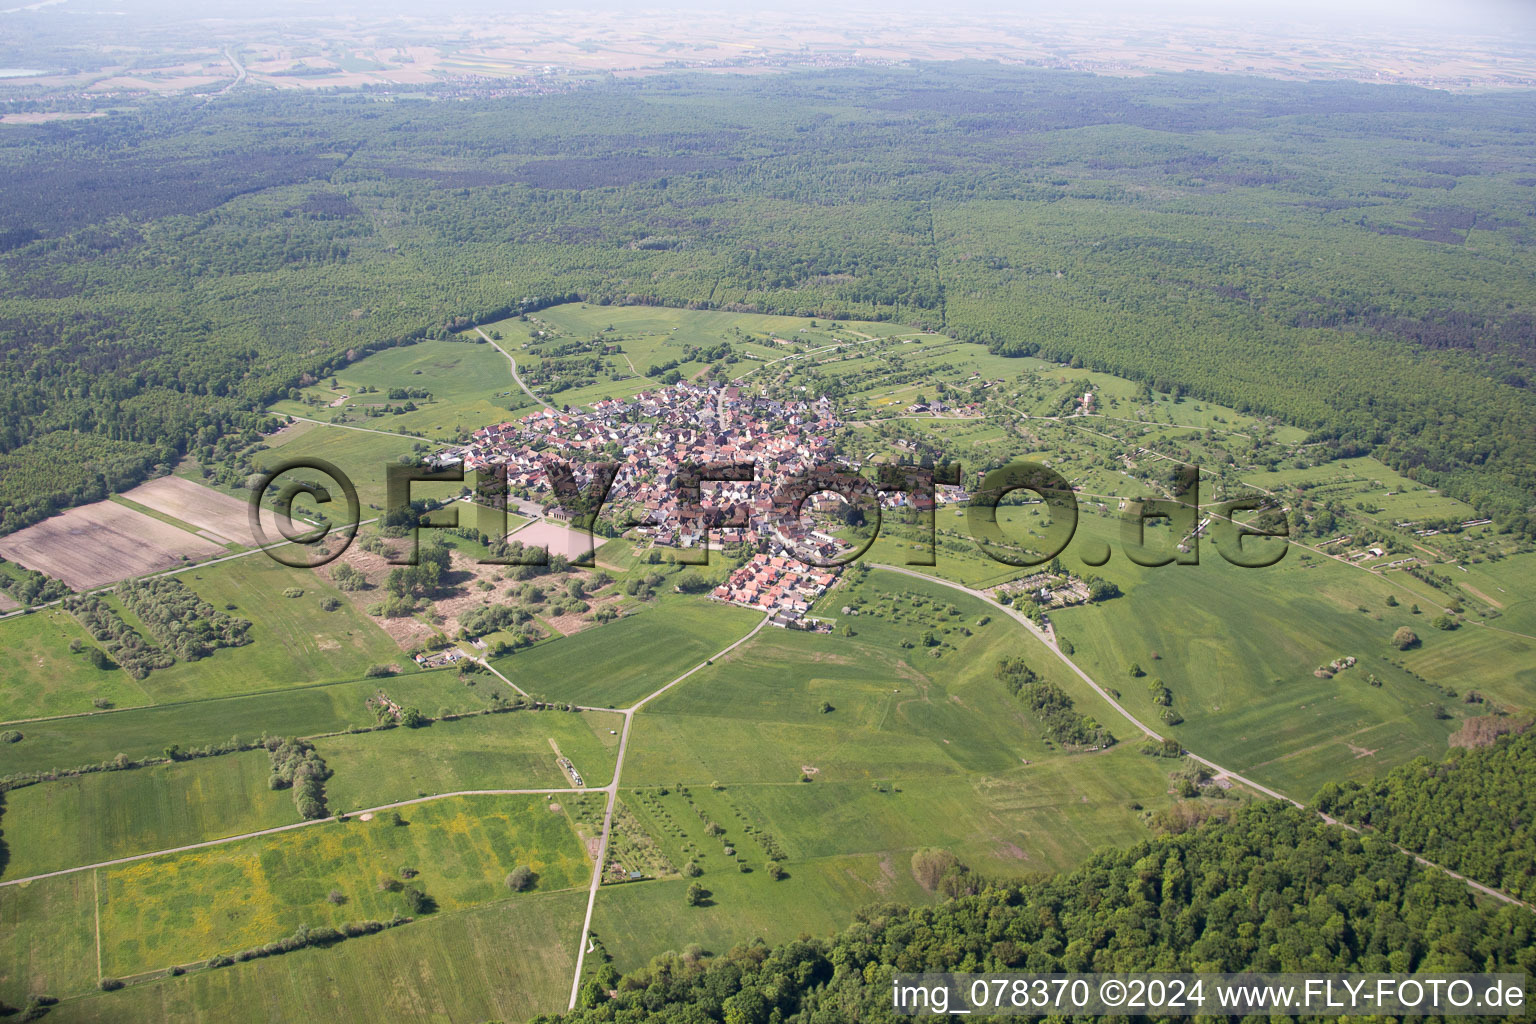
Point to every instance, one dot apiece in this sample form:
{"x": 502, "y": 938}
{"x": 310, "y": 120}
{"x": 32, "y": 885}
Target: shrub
{"x": 416, "y": 901}
{"x": 1404, "y": 638}
{"x": 520, "y": 878}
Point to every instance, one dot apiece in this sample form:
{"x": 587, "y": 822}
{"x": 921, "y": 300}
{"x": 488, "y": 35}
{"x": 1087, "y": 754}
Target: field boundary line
{"x": 293, "y": 826}
{"x": 613, "y": 795}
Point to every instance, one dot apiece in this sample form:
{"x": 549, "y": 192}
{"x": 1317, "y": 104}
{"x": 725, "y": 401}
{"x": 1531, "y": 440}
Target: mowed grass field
{"x": 39, "y": 676}
{"x": 294, "y": 640}
{"x": 470, "y": 383}
{"x": 618, "y": 663}
{"x": 917, "y": 751}
{"x": 102, "y": 816}
{"x": 189, "y": 906}
{"x": 1238, "y": 649}
{"x": 500, "y": 961}
{"x": 294, "y": 711}
{"x": 503, "y": 751}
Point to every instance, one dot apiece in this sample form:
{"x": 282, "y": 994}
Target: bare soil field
{"x": 203, "y": 507}
{"x": 102, "y": 543}
{"x": 559, "y": 539}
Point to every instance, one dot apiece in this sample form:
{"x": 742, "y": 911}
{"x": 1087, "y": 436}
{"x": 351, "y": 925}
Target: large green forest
{"x": 1353, "y": 259}
{"x": 1271, "y": 890}
{"x": 1474, "y": 812}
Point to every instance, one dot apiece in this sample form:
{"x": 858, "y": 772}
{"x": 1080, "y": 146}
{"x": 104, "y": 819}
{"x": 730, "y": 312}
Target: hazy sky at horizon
{"x": 1473, "y": 16}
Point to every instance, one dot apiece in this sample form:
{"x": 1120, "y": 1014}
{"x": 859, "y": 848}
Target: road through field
{"x": 613, "y": 795}
{"x": 1218, "y": 770}
{"x": 515, "y": 377}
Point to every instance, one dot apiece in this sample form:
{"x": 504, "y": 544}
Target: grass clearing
{"x": 106, "y": 815}
{"x": 189, "y": 906}
{"x": 503, "y": 751}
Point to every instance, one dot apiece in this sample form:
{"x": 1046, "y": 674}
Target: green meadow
{"x": 289, "y": 711}
{"x": 189, "y": 906}
{"x": 106, "y": 815}
{"x": 39, "y": 676}
{"x": 498, "y": 961}
{"x": 515, "y": 750}
{"x": 616, "y": 664}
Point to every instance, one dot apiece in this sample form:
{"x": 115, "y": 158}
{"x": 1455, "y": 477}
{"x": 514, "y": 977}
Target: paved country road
{"x": 526, "y": 390}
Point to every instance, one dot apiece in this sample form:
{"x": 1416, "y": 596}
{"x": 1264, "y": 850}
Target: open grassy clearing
{"x": 47, "y": 938}
{"x": 292, "y": 711}
{"x": 39, "y": 676}
{"x": 469, "y": 381}
{"x": 189, "y": 906}
{"x": 105, "y": 815}
{"x": 505, "y": 751}
{"x": 620, "y": 662}
{"x": 505, "y": 961}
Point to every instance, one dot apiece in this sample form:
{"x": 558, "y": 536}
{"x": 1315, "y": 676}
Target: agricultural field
{"x": 189, "y": 906}
{"x": 497, "y": 961}
{"x": 1239, "y": 648}
{"x": 105, "y": 815}
{"x": 618, "y": 663}
{"x": 104, "y": 542}
{"x": 217, "y": 516}
{"x": 48, "y": 937}
{"x": 285, "y": 711}
{"x": 360, "y": 453}
{"x": 467, "y": 385}
{"x": 516, "y": 750}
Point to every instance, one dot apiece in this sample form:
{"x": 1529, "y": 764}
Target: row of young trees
{"x": 188, "y": 625}
{"x": 1063, "y": 723}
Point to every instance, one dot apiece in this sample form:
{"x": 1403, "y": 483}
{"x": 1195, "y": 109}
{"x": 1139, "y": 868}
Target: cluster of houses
{"x": 780, "y": 586}
{"x": 653, "y": 437}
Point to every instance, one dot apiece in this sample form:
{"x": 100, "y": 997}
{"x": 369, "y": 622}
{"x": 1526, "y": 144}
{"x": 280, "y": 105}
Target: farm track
{"x": 277, "y": 829}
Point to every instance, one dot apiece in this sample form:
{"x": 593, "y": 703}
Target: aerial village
{"x": 654, "y": 437}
